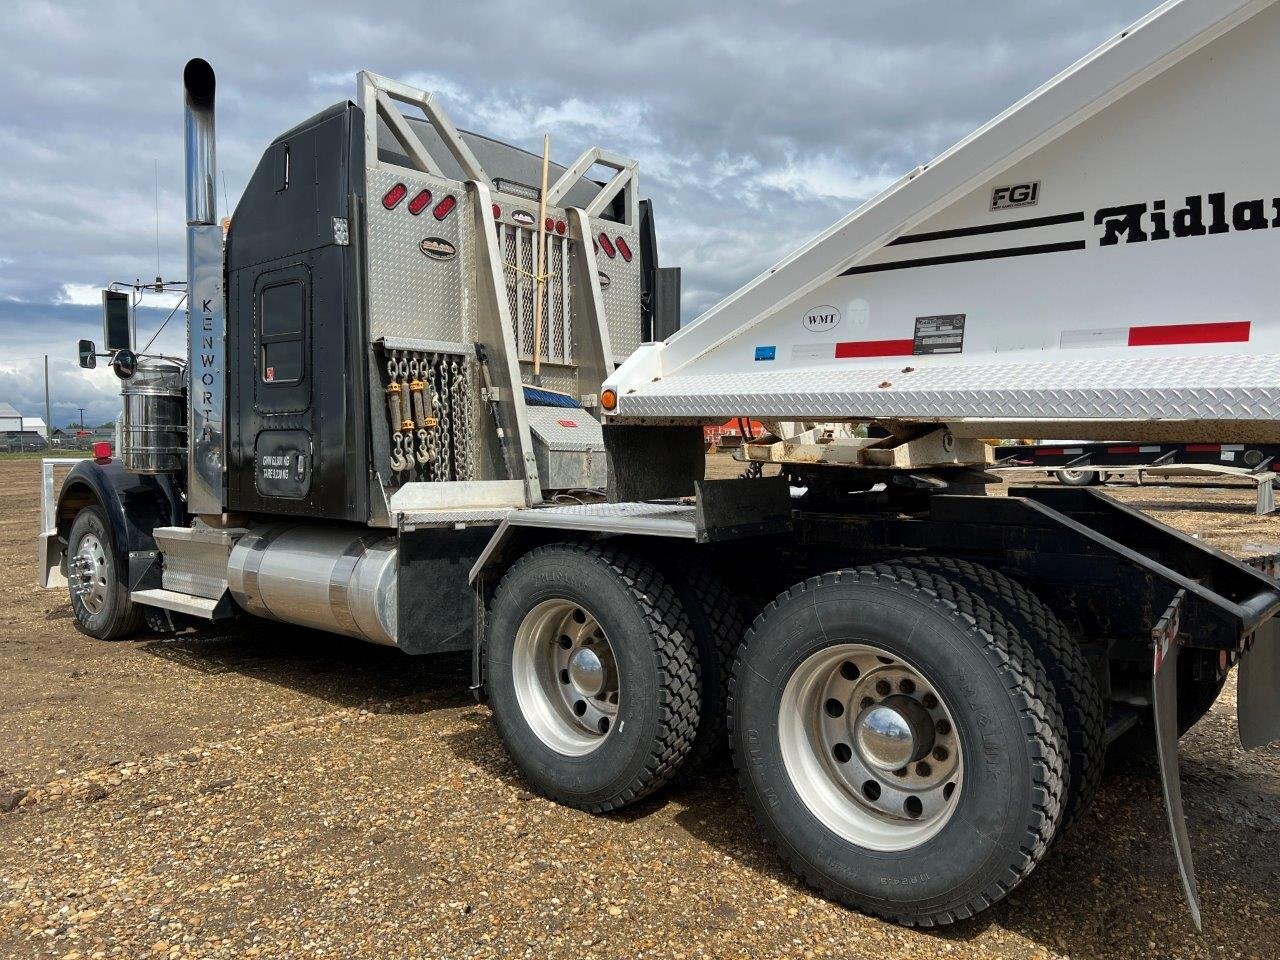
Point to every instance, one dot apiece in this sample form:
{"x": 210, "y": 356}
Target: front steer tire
{"x": 102, "y": 609}
{"x": 653, "y": 665}
{"x": 1007, "y": 724}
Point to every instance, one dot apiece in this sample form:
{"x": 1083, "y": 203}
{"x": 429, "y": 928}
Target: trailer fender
{"x": 134, "y": 505}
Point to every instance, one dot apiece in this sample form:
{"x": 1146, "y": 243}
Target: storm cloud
{"x": 756, "y": 124}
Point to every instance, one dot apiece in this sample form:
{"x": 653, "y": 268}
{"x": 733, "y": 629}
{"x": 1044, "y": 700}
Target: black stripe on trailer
{"x": 968, "y": 257}
{"x": 1027, "y": 223}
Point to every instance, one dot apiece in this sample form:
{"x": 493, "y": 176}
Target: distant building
{"x": 21, "y": 433}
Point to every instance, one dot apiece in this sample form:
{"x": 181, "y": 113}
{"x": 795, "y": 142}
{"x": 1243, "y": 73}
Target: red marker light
{"x": 560, "y": 227}
{"x": 497, "y": 212}
{"x": 607, "y": 246}
{"x": 624, "y": 250}
{"x": 394, "y": 196}
{"x": 549, "y": 224}
{"x": 420, "y": 202}
{"x": 102, "y": 451}
{"x": 445, "y": 207}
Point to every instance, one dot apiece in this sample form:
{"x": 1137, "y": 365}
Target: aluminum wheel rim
{"x": 565, "y": 677}
{"x": 836, "y": 760}
{"x": 88, "y": 571}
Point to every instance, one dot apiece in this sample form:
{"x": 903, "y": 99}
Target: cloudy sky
{"x": 756, "y": 123}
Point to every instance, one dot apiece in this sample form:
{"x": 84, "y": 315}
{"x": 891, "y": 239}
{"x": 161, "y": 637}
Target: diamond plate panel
{"x": 546, "y": 423}
{"x": 410, "y": 294}
{"x": 1165, "y": 388}
{"x": 622, "y": 296}
{"x": 611, "y": 510}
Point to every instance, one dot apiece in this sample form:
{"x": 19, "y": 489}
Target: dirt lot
{"x": 268, "y": 792}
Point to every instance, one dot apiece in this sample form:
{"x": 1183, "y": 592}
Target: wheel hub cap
{"x": 586, "y": 672}
{"x": 87, "y": 574}
{"x": 894, "y": 733}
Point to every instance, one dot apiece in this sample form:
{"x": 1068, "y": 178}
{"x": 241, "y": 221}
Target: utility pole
{"x": 48, "y": 411}
{"x": 82, "y": 418}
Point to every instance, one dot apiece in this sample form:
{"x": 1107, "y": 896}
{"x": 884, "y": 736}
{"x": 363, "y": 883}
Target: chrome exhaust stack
{"x": 206, "y": 308}
{"x": 198, "y": 83}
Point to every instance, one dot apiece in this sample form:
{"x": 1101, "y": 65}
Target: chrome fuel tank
{"x": 334, "y": 579}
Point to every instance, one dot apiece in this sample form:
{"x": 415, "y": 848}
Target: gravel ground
{"x": 268, "y": 792}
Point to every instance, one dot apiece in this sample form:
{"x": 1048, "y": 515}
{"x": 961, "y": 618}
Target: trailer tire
{"x": 101, "y": 605}
{"x": 717, "y": 626}
{"x": 1074, "y": 682}
{"x": 1006, "y": 730}
{"x": 1078, "y": 478}
{"x": 640, "y": 655}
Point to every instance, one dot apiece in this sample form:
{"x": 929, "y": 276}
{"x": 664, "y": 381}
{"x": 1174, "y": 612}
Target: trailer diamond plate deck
{"x": 1223, "y": 388}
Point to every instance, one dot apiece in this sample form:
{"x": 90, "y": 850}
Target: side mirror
{"x": 125, "y": 364}
{"x": 88, "y": 354}
{"x": 117, "y": 321}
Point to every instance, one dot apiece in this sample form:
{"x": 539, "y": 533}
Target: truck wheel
{"x": 99, "y": 597}
{"x": 1078, "y": 478}
{"x": 1074, "y": 682}
{"x": 717, "y": 626}
{"x": 593, "y": 674}
{"x": 899, "y": 742}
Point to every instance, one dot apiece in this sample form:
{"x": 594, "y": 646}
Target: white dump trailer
{"x": 400, "y": 411}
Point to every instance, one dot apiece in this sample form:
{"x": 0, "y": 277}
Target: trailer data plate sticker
{"x": 942, "y": 334}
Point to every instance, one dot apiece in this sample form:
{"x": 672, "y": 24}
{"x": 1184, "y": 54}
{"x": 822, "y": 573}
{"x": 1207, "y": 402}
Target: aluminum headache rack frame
{"x": 1083, "y": 262}
{"x": 477, "y": 286}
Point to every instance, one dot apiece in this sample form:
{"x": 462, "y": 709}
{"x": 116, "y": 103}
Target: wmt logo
{"x": 817, "y": 319}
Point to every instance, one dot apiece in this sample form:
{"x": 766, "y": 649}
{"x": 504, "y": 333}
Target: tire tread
{"x": 679, "y": 693}
{"x": 1027, "y": 683}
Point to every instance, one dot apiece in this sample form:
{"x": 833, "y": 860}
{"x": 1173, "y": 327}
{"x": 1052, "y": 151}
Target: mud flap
{"x": 1258, "y": 688}
{"x": 1164, "y": 689}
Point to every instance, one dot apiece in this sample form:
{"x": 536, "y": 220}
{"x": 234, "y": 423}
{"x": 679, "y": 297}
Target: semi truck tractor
{"x": 432, "y": 398}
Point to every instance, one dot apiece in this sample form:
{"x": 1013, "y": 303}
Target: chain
{"x": 429, "y": 415}
{"x": 394, "y": 391}
{"x": 461, "y": 416}
{"x": 446, "y": 422}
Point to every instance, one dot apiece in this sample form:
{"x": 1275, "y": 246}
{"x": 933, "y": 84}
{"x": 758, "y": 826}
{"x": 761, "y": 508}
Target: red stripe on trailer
{"x": 1124, "y": 450}
{"x": 1050, "y": 452}
{"x": 1169, "y": 334}
{"x": 874, "y": 348}
{"x": 1204, "y": 448}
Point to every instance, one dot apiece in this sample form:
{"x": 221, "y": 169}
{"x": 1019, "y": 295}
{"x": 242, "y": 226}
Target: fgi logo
{"x": 817, "y": 319}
